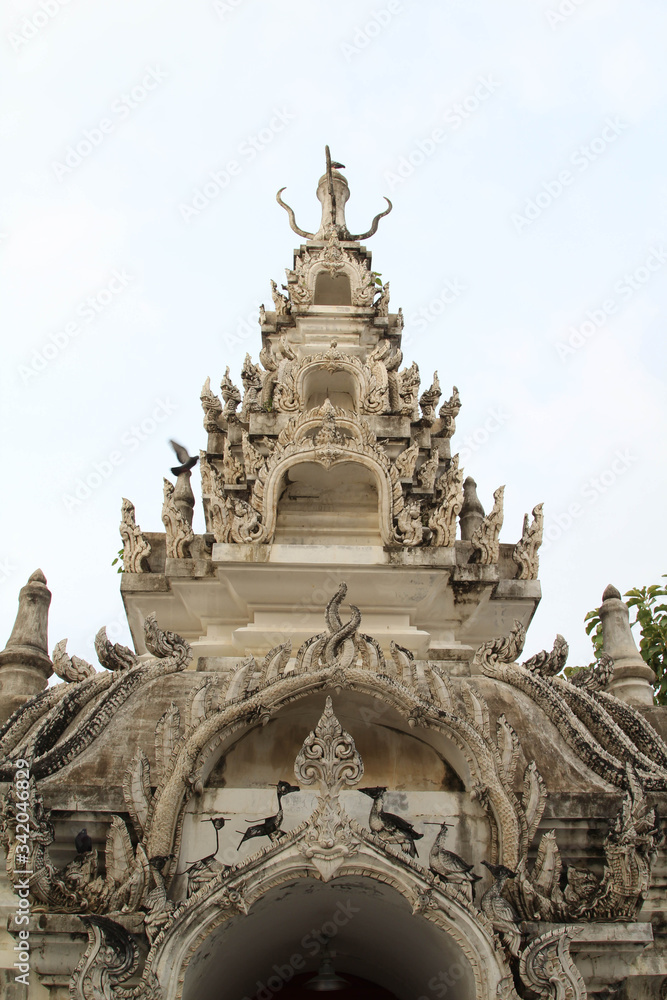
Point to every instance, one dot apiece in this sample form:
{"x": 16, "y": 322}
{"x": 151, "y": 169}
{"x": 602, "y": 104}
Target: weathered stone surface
{"x": 328, "y": 623}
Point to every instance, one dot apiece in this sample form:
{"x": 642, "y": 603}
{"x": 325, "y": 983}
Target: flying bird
{"x": 187, "y": 461}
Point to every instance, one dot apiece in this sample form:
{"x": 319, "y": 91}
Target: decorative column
{"x": 632, "y": 677}
{"x": 25, "y": 666}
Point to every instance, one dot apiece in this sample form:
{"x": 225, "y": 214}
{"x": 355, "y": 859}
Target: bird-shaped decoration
{"x": 596, "y": 677}
{"x": 270, "y": 827}
{"x": 187, "y": 461}
{"x": 500, "y": 912}
{"x": 82, "y": 842}
{"x": 449, "y": 866}
{"x": 202, "y": 871}
{"x": 392, "y": 829}
{"x": 549, "y": 664}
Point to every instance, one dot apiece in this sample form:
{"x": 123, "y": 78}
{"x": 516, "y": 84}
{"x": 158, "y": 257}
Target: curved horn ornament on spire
{"x": 292, "y": 219}
{"x": 374, "y": 226}
{"x": 333, "y": 192}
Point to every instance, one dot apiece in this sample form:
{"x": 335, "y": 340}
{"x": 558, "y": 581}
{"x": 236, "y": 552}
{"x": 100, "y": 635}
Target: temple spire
{"x": 25, "y": 665}
{"x": 332, "y": 192}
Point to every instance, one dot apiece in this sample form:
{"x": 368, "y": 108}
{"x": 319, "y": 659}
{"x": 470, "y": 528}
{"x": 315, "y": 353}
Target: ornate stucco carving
{"x": 486, "y": 537}
{"x": 553, "y": 891}
{"x": 449, "y": 495}
{"x": 280, "y": 302}
{"x": 406, "y": 461}
{"x": 340, "y": 656}
{"x": 380, "y": 394}
{"x": 429, "y": 400}
{"x": 604, "y": 732}
{"x": 136, "y": 549}
{"x": 231, "y": 396}
{"x": 211, "y": 406}
{"x": 409, "y": 528}
{"x": 110, "y": 959}
{"x": 428, "y": 471}
{"x": 525, "y": 555}
{"x": 326, "y": 435}
{"x": 70, "y": 668}
{"x": 251, "y": 377}
{"x": 546, "y": 967}
{"x": 332, "y": 258}
{"x": 277, "y": 378}
{"x": 84, "y": 711}
{"x": 179, "y": 534}
{"x": 232, "y": 470}
{"x": 330, "y": 758}
{"x": 407, "y": 384}
{"x": 382, "y": 302}
{"x": 252, "y": 458}
{"x": 448, "y": 413}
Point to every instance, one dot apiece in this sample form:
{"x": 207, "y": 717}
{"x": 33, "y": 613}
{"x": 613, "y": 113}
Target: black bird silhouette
{"x": 206, "y": 868}
{"x": 270, "y": 827}
{"x": 187, "y": 461}
{"x": 392, "y": 829}
{"x": 82, "y": 842}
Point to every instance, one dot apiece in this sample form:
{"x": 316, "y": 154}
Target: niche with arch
{"x": 328, "y": 506}
{"x": 340, "y": 387}
{"x": 332, "y": 290}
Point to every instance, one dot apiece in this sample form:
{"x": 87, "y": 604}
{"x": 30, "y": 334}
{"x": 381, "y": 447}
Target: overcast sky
{"x": 522, "y": 143}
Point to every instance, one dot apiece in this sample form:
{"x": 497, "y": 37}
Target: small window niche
{"x": 332, "y": 290}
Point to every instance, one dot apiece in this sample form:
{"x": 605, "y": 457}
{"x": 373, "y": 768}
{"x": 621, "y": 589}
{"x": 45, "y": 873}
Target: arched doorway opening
{"x": 356, "y": 989}
{"x": 368, "y": 927}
